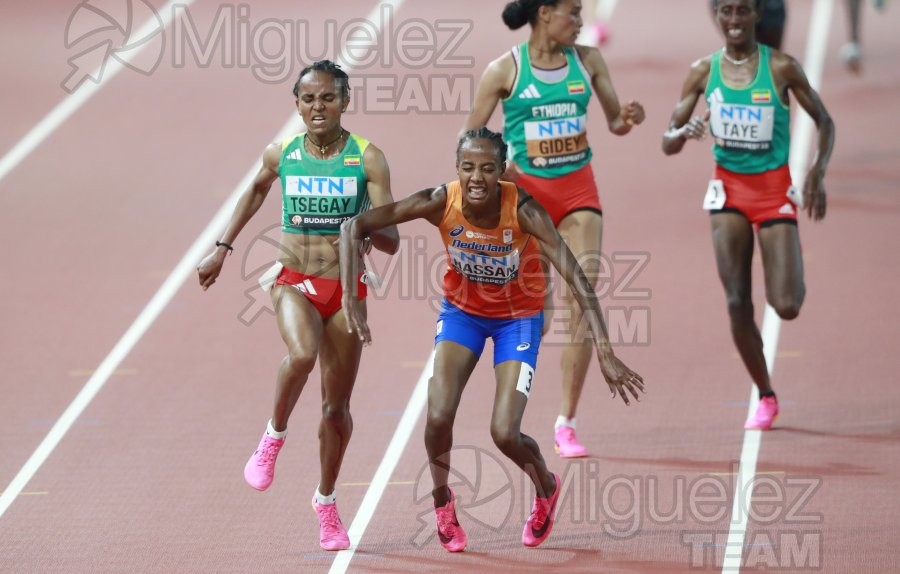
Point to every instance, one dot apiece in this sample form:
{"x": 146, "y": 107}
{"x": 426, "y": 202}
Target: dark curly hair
{"x": 340, "y": 76}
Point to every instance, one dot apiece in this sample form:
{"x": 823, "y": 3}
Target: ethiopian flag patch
{"x": 761, "y": 96}
{"x": 351, "y": 160}
{"x": 576, "y": 87}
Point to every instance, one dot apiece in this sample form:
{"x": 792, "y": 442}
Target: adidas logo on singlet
{"x": 530, "y": 93}
{"x": 295, "y": 155}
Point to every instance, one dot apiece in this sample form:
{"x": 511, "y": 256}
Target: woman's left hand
{"x": 619, "y": 378}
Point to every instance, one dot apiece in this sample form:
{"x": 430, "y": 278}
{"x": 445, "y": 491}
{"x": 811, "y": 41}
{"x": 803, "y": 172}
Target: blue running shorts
{"x": 514, "y": 339}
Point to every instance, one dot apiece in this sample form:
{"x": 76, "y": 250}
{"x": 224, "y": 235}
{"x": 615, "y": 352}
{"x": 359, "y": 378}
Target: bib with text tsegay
{"x": 750, "y": 126}
{"x": 318, "y": 195}
{"x": 545, "y": 123}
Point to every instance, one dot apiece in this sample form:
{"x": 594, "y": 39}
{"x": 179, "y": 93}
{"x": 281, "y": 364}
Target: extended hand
{"x": 209, "y": 269}
{"x": 695, "y": 129}
{"x": 356, "y": 320}
{"x": 814, "y": 195}
{"x": 619, "y": 378}
{"x": 633, "y": 113}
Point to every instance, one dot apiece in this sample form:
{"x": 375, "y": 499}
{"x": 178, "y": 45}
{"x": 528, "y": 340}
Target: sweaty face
{"x": 737, "y": 20}
{"x": 320, "y": 102}
{"x": 565, "y": 21}
{"x": 479, "y": 169}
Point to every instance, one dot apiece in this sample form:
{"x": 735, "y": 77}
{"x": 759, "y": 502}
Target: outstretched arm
{"x": 533, "y": 219}
{"x": 426, "y": 204}
{"x": 683, "y": 127}
{"x": 789, "y": 73}
{"x": 386, "y": 239}
{"x": 247, "y": 206}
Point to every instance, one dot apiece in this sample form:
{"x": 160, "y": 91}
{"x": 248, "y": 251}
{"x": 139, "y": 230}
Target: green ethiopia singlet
{"x": 751, "y": 125}
{"x": 318, "y": 195}
{"x": 546, "y": 123}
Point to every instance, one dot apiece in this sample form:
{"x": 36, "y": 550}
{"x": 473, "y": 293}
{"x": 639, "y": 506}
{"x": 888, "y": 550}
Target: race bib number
{"x": 556, "y": 141}
{"x": 742, "y": 127}
{"x": 526, "y": 378}
{"x": 715, "y": 195}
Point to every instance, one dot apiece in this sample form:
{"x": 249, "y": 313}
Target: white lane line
{"x": 801, "y": 142}
{"x": 392, "y": 455}
{"x": 182, "y": 271}
{"x": 76, "y": 99}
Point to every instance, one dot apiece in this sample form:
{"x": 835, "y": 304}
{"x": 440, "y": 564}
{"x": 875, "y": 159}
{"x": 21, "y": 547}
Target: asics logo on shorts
{"x": 523, "y": 347}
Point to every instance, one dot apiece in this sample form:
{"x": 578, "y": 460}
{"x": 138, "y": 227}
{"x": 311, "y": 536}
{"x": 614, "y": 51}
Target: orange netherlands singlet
{"x": 496, "y": 272}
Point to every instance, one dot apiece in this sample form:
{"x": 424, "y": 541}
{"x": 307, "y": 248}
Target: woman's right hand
{"x": 356, "y": 320}
{"x": 695, "y": 129}
{"x": 210, "y": 267}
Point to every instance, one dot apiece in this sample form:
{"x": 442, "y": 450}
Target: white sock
{"x": 322, "y": 499}
{"x": 270, "y": 430}
{"x": 562, "y": 421}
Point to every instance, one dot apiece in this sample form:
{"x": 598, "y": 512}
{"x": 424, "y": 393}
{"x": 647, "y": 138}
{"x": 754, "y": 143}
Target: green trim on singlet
{"x": 552, "y": 116}
{"x": 318, "y": 195}
{"x": 740, "y": 119}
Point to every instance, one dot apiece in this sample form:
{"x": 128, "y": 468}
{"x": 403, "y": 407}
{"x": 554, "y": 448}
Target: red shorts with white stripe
{"x": 324, "y": 294}
{"x": 763, "y": 198}
{"x": 560, "y": 196}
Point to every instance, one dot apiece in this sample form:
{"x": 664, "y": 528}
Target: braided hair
{"x": 484, "y": 133}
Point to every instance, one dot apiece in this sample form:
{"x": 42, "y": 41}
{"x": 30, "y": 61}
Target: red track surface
{"x": 149, "y": 477}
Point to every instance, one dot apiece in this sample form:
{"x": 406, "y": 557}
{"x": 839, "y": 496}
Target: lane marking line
{"x": 411, "y": 414}
{"x": 801, "y": 142}
{"x": 64, "y": 110}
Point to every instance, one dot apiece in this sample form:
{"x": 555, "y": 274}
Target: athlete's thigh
{"x": 339, "y": 356}
{"x": 583, "y": 233}
{"x": 516, "y": 346}
{"x": 732, "y": 238}
{"x": 299, "y": 323}
{"x": 453, "y": 365}
{"x": 514, "y": 384}
{"x": 782, "y": 259}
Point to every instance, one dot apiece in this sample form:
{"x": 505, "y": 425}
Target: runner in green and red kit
{"x": 545, "y": 85}
{"x": 327, "y": 176}
{"x": 747, "y": 85}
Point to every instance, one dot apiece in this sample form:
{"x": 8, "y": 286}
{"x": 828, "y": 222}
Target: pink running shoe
{"x": 450, "y": 534}
{"x": 600, "y": 32}
{"x": 567, "y": 445}
{"x": 260, "y": 469}
{"x": 765, "y": 414}
{"x": 332, "y": 534}
{"x": 543, "y": 513}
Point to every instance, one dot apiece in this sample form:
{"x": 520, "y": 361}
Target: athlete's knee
{"x": 300, "y": 361}
{"x": 738, "y": 300}
{"x": 336, "y": 412}
{"x": 439, "y": 420}
{"x": 505, "y": 437}
{"x": 787, "y": 307}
